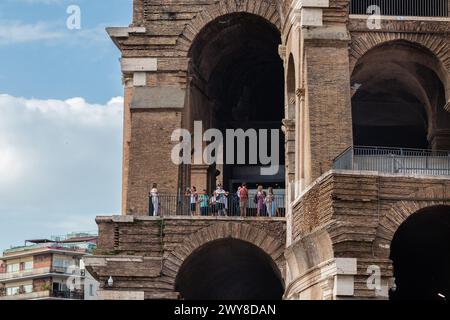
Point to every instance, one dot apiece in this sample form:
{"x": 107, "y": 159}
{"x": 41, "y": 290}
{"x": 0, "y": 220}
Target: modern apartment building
{"x": 48, "y": 269}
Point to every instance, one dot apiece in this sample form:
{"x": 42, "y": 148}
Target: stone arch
{"x": 264, "y": 8}
{"x": 408, "y": 75}
{"x": 308, "y": 253}
{"x": 400, "y": 211}
{"x": 363, "y": 43}
{"x": 236, "y": 78}
{"x": 256, "y": 236}
{"x": 420, "y": 254}
{"x": 438, "y": 46}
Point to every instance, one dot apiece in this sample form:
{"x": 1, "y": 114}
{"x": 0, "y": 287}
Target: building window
{"x": 28, "y": 265}
{"x": 28, "y": 288}
{"x": 13, "y": 267}
{"x": 62, "y": 263}
{"x": 57, "y": 263}
{"x": 91, "y": 290}
{"x": 12, "y": 291}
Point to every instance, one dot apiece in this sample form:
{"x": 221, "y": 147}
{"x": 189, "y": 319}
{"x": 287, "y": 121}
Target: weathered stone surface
{"x": 365, "y": 212}
{"x": 148, "y": 253}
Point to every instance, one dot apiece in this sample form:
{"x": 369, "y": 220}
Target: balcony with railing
{"x": 67, "y": 294}
{"x": 167, "y": 205}
{"x": 45, "y": 295}
{"x": 395, "y": 161}
{"x": 24, "y": 273}
{"x": 405, "y": 8}
{"x": 37, "y": 272}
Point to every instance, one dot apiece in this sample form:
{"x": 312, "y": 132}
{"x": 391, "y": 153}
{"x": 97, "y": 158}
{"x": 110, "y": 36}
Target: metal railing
{"x": 24, "y": 273}
{"x": 68, "y": 294}
{"x": 415, "y": 8}
{"x": 174, "y": 205}
{"x": 7, "y": 276}
{"x": 26, "y": 296}
{"x": 395, "y": 160}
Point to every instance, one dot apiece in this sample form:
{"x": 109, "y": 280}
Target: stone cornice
{"x": 393, "y": 24}
{"x": 116, "y": 33}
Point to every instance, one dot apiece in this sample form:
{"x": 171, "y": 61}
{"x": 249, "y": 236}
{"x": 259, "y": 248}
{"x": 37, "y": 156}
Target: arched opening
{"x": 399, "y": 97}
{"x": 229, "y": 269}
{"x": 237, "y": 82}
{"x": 420, "y": 251}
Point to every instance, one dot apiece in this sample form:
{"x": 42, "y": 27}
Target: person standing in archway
{"x": 221, "y": 200}
{"x": 193, "y": 200}
{"x": 270, "y": 203}
{"x": 243, "y": 200}
{"x": 204, "y": 203}
{"x": 154, "y": 199}
{"x": 260, "y": 197}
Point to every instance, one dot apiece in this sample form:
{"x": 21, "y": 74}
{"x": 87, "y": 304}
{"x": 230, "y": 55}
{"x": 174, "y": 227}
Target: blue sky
{"x": 60, "y": 63}
{"x": 61, "y": 117}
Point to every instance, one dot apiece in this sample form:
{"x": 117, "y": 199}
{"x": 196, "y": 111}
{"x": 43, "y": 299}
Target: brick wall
{"x": 328, "y": 104}
{"x": 42, "y": 261}
{"x": 150, "y": 157}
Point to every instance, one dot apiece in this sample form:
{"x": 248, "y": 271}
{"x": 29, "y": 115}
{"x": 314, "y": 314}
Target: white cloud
{"x": 60, "y": 164}
{"x": 19, "y": 32}
{"x": 42, "y": 1}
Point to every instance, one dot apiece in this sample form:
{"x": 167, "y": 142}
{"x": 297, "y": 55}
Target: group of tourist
{"x": 221, "y": 202}
{"x": 216, "y": 204}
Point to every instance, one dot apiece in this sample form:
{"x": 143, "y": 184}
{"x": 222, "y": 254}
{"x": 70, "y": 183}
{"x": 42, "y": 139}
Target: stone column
{"x": 327, "y": 105}
{"x": 440, "y": 139}
{"x": 199, "y": 177}
{"x": 290, "y": 142}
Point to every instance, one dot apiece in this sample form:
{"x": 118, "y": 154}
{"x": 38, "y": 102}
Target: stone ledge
{"x": 311, "y": 4}
{"x": 197, "y": 218}
{"x": 402, "y": 18}
{"x": 120, "y": 295}
{"x": 131, "y": 219}
{"x": 158, "y": 98}
{"x": 124, "y": 32}
{"x": 139, "y": 64}
{"x": 336, "y": 33}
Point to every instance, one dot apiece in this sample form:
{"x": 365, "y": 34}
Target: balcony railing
{"x": 25, "y": 273}
{"x": 27, "y": 296}
{"x": 395, "y": 160}
{"x": 415, "y": 8}
{"x": 46, "y": 294}
{"x": 7, "y": 276}
{"x": 174, "y": 205}
{"x": 68, "y": 294}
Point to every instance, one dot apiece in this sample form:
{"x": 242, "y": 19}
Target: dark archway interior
{"x": 420, "y": 251}
{"x": 236, "y": 56}
{"x": 397, "y": 92}
{"x": 229, "y": 269}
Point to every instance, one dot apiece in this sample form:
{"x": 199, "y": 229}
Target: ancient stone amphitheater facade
{"x": 363, "y": 102}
